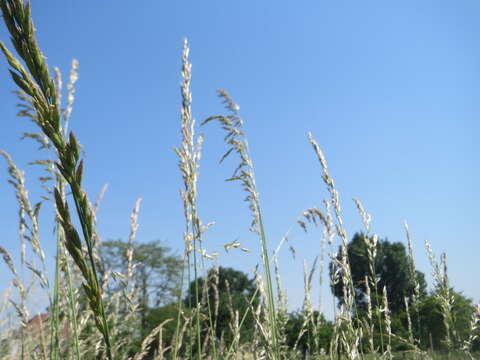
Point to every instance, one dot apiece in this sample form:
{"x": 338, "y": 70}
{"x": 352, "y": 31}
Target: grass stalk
{"x": 244, "y": 173}
{"x": 349, "y": 334}
{"x": 54, "y": 321}
{"x": 40, "y": 87}
{"x": 416, "y": 285}
{"x": 72, "y": 304}
{"x": 443, "y": 294}
{"x": 189, "y": 159}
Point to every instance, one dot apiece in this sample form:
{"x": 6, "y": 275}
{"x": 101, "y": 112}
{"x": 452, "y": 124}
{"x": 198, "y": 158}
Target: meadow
{"x": 98, "y": 312}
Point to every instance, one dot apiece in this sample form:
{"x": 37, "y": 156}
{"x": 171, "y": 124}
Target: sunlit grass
{"x": 85, "y": 321}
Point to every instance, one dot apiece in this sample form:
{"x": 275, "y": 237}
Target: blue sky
{"x": 389, "y": 89}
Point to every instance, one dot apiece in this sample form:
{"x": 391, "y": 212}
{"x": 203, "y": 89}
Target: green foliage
{"x": 433, "y": 327}
{"x": 156, "y": 272}
{"x": 158, "y": 315}
{"x": 391, "y": 270}
{"x": 230, "y": 291}
{"x": 4, "y": 348}
{"x": 314, "y": 338}
{"x": 167, "y": 314}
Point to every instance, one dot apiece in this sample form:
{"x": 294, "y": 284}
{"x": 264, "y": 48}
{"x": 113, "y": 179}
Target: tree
{"x": 309, "y": 341}
{"x": 168, "y": 316}
{"x": 391, "y": 271}
{"x": 233, "y": 290}
{"x": 432, "y": 321}
{"x": 156, "y": 275}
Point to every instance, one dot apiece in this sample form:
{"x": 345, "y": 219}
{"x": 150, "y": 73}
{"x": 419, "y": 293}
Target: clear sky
{"x": 389, "y": 89}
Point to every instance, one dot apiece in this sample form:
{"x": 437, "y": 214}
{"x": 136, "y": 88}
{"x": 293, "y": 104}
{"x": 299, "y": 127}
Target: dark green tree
{"x": 168, "y": 316}
{"x": 234, "y": 290}
{"x": 309, "y": 341}
{"x": 391, "y": 271}
{"x": 432, "y": 321}
{"x": 156, "y": 275}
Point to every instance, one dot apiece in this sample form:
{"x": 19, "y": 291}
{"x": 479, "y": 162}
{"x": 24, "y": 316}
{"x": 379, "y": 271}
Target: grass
{"x": 73, "y": 330}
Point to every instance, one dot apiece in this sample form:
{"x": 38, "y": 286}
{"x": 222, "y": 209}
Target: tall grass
{"x": 107, "y": 327}
{"x": 244, "y": 174}
{"x": 35, "y": 82}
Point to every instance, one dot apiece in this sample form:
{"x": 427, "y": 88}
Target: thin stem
{"x": 271, "y": 303}
{"x": 55, "y": 310}
{"x": 73, "y": 311}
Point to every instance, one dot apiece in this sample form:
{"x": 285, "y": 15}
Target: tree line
{"x": 231, "y": 293}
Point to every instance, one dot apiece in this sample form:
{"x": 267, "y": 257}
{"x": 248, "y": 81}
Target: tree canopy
{"x": 156, "y": 271}
{"x": 433, "y": 330}
{"x": 229, "y": 291}
{"x": 391, "y": 269}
